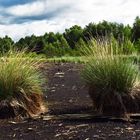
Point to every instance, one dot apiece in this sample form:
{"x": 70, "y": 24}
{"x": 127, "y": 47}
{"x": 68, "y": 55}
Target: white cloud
{"x": 37, "y": 8}
{"x": 30, "y": 9}
{"x": 73, "y": 12}
{"x": 17, "y": 31}
{"x": 97, "y": 10}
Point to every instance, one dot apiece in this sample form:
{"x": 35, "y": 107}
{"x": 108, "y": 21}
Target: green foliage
{"x": 60, "y": 44}
{"x": 18, "y": 74}
{"x": 6, "y": 44}
{"x": 73, "y": 34}
{"x": 108, "y": 70}
{"x": 137, "y": 45}
{"x": 65, "y": 59}
{"x": 128, "y": 47}
{"x": 136, "y": 29}
{"x": 80, "y": 44}
{"x": 110, "y": 76}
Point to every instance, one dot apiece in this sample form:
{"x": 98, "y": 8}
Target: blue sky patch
{"x": 7, "y": 3}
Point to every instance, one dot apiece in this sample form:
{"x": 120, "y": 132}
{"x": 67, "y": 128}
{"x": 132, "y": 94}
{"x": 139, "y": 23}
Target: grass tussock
{"x": 20, "y": 84}
{"x": 111, "y": 77}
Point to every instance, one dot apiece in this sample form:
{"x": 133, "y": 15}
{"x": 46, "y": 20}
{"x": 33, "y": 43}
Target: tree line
{"x": 67, "y": 43}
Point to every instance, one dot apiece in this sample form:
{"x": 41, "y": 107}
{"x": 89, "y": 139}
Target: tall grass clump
{"x": 111, "y": 77}
{"x": 20, "y": 85}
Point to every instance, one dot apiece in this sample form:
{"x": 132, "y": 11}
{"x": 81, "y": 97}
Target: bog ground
{"x": 67, "y": 94}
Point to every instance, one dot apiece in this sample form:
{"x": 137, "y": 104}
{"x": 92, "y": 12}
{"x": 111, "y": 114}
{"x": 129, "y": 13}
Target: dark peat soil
{"x": 67, "y": 94}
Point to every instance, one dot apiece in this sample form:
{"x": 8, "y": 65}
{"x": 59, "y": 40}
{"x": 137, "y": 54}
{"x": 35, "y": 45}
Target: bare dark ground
{"x": 66, "y": 94}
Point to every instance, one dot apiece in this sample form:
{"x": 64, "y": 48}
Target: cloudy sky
{"x": 19, "y": 18}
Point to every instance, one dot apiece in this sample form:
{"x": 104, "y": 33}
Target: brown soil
{"x": 67, "y": 94}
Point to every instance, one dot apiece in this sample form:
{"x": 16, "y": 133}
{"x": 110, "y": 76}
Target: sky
{"x": 20, "y": 18}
